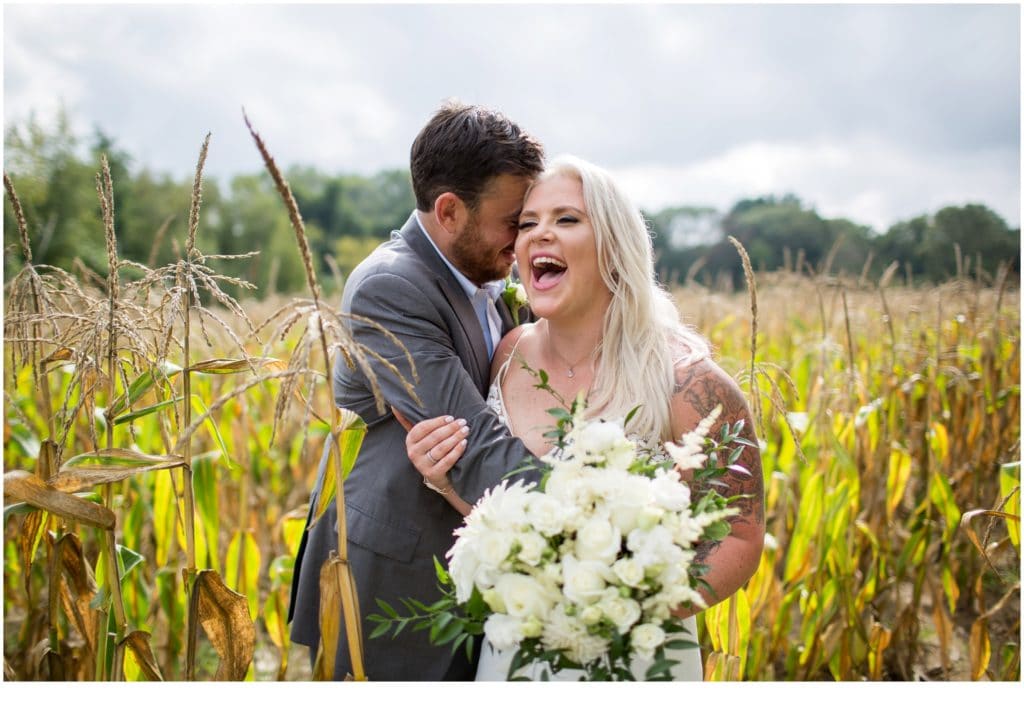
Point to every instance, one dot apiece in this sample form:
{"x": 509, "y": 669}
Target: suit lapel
{"x": 456, "y": 296}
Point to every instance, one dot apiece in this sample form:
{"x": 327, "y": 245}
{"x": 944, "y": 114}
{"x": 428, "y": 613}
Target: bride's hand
{"x": 434, "y": 445}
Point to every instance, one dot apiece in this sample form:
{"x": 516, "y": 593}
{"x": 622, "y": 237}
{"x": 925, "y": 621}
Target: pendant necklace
{"x": 571, "y": 371}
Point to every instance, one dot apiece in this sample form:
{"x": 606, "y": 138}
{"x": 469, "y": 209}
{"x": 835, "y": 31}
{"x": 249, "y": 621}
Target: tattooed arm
{"x": 699, "y": 389}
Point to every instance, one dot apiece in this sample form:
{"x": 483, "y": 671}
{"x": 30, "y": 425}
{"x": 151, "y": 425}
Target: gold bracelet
{"x": 443, "y": 492}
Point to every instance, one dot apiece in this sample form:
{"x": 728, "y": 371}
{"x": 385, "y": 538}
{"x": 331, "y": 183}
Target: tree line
{"x": 347, "y": 215}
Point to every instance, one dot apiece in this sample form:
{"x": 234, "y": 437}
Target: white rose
{"x": 532, "y": 627}
{"x": 629, "y": 571}
{"x": 591, "y": 614}
{"x": 623, "y": 613}
{"x": 645, "y": 639}
{"x": 598, "y": 436}
{"x": 653, "y": 547}
{"x": 598, "y": 540}
{"x": 669, "y": 491}
{"x": 583, "y": 582}
{"x": 531, "y": 547}
{"x": 547, "y": 513}
{"x": 492, "y": 597}
{"x": 523, "y": 595}
{"x": 562, "y": 484}
{"x": 631, "y": 494}
{"x": 503, "y": 631}
{"x": 650, "y": 516}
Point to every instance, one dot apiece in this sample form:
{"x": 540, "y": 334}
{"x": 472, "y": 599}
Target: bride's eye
{"x": 524, "y": 225}
{"x": 567, "y": 219}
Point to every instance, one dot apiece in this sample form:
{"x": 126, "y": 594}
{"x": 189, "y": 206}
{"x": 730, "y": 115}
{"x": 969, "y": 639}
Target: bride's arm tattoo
{"x": 704, "y": 387}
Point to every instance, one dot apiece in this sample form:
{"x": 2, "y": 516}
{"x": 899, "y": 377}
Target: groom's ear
{"x": 451, "y": 212}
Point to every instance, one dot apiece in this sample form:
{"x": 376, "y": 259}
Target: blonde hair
{"x": 643, "y": 339}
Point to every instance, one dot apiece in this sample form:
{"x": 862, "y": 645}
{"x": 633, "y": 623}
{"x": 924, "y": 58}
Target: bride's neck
{"x": 571, "y": 343}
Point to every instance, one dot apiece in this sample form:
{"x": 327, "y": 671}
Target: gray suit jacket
{"x": 396, "y": 526}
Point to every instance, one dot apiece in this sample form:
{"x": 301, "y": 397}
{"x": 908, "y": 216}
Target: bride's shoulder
{"x": 515, "y": 340}
{"x": 700, "y": 386}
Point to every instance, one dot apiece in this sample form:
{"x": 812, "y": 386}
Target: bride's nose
{"x": 542, "y": 234}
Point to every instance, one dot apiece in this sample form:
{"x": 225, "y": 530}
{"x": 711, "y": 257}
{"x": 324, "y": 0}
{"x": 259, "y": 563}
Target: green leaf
{"x": 129, "y": 559}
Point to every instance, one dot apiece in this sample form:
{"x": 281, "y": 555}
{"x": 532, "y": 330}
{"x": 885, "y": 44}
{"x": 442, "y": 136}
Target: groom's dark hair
{"x": 462, "y": 147}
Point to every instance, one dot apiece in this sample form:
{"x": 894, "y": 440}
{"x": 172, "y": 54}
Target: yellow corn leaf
{"x": 941, "y": 495}
{"x": 275, "y": 612}
{"x": 938, "y": 439}
{"x": 29, "y": 537}
{"x": 105, "y": 466}
{"x": 224, "y": 616}
{"x": 980, "y": 649}
{"x": 344, "y": 444}
{"x": 139, "y": 659}
{"x": 164, "y": 516}
{"x": 24, "y": 486}
{"x": 292, "y": 525}
{"x": 227, "y": 366}
{"x": 1009, "y": 480}
{"x": 805, "y": 532}
{"x": 879, "y": 640}
{"x": 896, "y": 482}
{"x": 949, "y": 586}
{"x": 242, "y": 568}
{"x": 714, "y": 667}
{"x": 337, "y": 597}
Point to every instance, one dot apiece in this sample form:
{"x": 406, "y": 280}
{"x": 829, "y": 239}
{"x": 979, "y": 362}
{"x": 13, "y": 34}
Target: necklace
{"x": 571, "y": 371}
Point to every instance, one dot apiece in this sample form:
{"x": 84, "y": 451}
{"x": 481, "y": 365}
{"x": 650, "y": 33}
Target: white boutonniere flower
{"x": 515, "y": 298}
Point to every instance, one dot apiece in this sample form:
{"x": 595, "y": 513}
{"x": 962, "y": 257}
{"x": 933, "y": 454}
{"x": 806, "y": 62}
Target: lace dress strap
{"x": 495, "y": 397}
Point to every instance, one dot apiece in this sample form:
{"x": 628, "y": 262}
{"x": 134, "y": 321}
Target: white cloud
{"x": 866, "y": 111}
{"x": 867, "y": 181}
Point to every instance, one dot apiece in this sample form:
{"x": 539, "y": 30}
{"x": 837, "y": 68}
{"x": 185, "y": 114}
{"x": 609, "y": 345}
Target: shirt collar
{"x": 493, "y": 289}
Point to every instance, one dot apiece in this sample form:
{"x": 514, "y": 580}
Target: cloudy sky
{"x": 872, "y": 112}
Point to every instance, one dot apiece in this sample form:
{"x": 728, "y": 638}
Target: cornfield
{"x": 162, "y": 437}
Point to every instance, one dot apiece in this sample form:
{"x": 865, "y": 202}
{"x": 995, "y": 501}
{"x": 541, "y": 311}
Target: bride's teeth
{"x": 544, "y": 260}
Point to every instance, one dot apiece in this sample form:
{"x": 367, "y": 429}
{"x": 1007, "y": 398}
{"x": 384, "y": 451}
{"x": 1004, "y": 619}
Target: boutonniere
{"x": 515, "y": 299}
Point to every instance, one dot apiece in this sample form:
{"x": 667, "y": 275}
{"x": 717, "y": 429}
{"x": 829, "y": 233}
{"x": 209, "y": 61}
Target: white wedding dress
{"x": 494, "y": 664}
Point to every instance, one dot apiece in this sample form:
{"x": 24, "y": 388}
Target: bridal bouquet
{"x": 584, "y": 570}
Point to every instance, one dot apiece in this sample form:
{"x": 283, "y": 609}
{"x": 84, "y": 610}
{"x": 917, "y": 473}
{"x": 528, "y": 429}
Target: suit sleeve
{"x": 443, "y": 385}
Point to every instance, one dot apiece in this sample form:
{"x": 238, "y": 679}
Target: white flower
{"x": 645, "y": 639}
{"x": 689, "y": 453}
{"x": 568, "y": 634}
{"x": 623, "y": 613}
{"x": 626, "y": 497}
{"x": 549, "y": 514}
{"x": 523, "y": 595}
{"x": 629, "y": 571}
{"x": 503, "y": 631}
{"x": 653, "y": 547}
{"x": 492, "y": 547}
{"x": 503, "y": 506}
{"x": 591, "y": 614}
{"x": 583, "y": 582}
{"x": 669, "y": 491}
{"x": 597, "y": 539}
{"x": 531, "y": 547}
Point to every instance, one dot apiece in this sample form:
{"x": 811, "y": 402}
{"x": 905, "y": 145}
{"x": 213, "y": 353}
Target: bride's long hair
{"x": 643, "y": 339}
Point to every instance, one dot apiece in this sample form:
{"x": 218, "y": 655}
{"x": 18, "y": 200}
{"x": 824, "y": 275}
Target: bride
{"x": 608, "y": 331}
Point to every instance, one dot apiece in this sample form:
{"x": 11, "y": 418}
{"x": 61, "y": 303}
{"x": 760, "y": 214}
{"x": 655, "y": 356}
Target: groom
{"x": 433, "y": 287}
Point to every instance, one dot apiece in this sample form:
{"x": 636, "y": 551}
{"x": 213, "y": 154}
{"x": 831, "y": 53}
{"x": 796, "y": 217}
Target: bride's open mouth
{"x": 546, "y": 271}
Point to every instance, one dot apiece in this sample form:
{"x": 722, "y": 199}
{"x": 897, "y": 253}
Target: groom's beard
{"x": 476, "y": 258}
